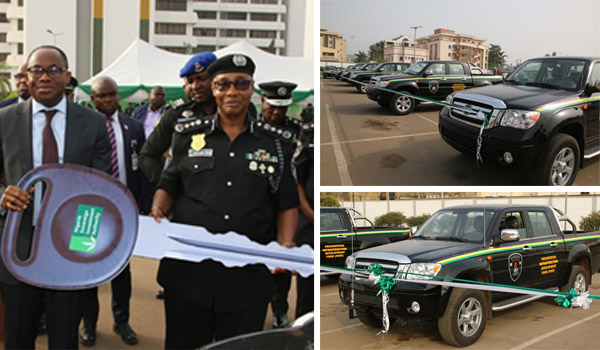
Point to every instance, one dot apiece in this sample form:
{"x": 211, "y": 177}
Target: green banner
{"x": 85, "y": 228}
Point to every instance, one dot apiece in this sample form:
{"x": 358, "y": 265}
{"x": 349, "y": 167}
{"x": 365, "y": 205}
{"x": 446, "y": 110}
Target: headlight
{"x": 423, "y": 269}
{"x": 450, "y": 99}
{"x": 518, "y": 119}
{"x": 350, "y": 261}
{"x": 382, "y": 83}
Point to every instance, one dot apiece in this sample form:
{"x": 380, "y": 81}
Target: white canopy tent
{"x": 142, "y": 66}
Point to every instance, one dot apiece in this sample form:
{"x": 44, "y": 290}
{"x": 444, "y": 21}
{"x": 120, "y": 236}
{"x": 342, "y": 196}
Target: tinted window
{"x": 331, "y": 222}
{"x": 540, "y": 226}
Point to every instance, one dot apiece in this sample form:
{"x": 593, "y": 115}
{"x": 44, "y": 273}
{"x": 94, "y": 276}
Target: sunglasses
{"x": 224, "y": 85}
{"x": 52, "y": 71}
{"x": 19, "y": 76}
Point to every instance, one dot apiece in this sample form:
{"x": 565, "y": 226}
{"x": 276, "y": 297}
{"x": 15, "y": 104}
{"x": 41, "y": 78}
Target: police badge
{"x": 198, "y": 142}
{"x": 281, "y": 91}
{"x": 434, "y": 86}
{"x": 515, "y": 266}
{"x": 239, "y": 60}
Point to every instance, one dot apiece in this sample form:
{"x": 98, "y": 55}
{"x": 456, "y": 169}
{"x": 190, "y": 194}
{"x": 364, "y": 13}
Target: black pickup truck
{"x": 340, "y": 236}
{"x": 364, "y": 67}
{"x": 430, "y": 79}
{"x": 515, "y": 245}
{"x": 359, "y": 79}
{"x": 543, "y": 119}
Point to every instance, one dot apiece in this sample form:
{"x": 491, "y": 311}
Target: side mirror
{"x": 414, "y": 229}
{"x": 510, "y": 235}
{"x": 428, "y": 73}
{"x": 505, "y": 75}
{"x": 597, "y": 84}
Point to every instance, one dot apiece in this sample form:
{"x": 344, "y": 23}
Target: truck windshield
{"x": 465, "y": 225}
{"x": 562, "y": 74}
{"x": 416, "y": 68}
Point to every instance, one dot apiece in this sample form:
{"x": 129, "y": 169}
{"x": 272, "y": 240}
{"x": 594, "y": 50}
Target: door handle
{"x": 527, "y": 248}
{"x": 553, "y": 244}
{"x": 463, "y": 78}
{"x": 340, "y": 236}
{"x": 443, "y": 78}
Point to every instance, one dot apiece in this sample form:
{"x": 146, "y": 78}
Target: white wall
{"x": 575, "y": 207}
{"x": 121, "y": 27}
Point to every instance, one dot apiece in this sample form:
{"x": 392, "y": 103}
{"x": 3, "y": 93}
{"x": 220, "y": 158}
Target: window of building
{"x": 169, "y": 28}
{"x": 20, "y": 24}
{"x": 236, "y": 16}
{"x": 232, "y": 33}
{"x": 205, "y": 32}
{"x": 20, "y": 3}
{"x": 263, "y": 34}
{"x": 171, "y": 5}
{"x": 205, "y": 0}
{"x": 267, "y": 2}
{"x": 6, "y": 1}
{"x": 206, "y": 14}
{"x": 19, "y": 48}
{"x": 3, "y": 57}
{"x": 2, "y": 37}
{"x": 235, "y": 1}
{"x": 267, "y": 17}
{"x": 202, "y": 48}
{"x": 3, "y": 18}
{"x": 174, "y": 49}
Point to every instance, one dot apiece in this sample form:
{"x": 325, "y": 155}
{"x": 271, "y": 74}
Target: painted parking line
{"x": 340, "y": 159}
{"x": 380, "y": 138}
{"x": 340, "y": 329}
{"x": 554, "y": 332}
{"x": 423, "y": 117}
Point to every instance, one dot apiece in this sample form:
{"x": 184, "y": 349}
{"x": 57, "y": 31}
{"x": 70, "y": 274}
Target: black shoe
{"x": 126, "y": 333}
{"x": 280, "y": 321}
{"x": 87, "y": 336}
{"x": 160, "y": 294}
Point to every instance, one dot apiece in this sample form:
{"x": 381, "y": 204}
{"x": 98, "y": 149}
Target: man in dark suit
{"x": 47, "y": 128}
{"x": 127, "y": 137}
{"x": 149, "y": 114}
{"x": 22, "y": 88}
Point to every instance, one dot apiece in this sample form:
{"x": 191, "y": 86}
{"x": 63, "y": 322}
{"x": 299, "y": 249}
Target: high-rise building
{"x": 401, "y": 49}
{"x": 445, "y": 44}
{"x": 94, "y": 33}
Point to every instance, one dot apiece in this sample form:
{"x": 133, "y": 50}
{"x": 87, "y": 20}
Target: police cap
{"x": 197, "y": 64}
{"x": 278, "y": 93}
{"x": 232, "y": 64}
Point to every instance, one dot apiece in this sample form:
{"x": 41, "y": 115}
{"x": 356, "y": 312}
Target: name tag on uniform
{"x": 205, "y": 152}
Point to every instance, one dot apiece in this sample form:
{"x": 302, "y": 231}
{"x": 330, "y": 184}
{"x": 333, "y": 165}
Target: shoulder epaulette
{"x": 185, "y": 126}
{"x": 276, "y": 131}
{"x": 178, "y": 102}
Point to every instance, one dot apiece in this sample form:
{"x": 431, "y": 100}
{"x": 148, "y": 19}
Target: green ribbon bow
{"x": 565, "y": 300}
{"x": 385, "y": 283}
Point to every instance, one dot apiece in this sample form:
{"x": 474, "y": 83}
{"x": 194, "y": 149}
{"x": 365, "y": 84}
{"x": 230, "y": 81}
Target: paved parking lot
{"x": 365, "y": 144}
{"x": 538, "y": 325}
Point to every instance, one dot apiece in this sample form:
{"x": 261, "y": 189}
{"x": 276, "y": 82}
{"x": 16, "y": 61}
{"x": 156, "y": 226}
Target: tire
{"x": 402, "y": 105}
{"x": 465, "y": 317}
{"x": 362, "y": 88}
{"x": 579, "y": 279}
{"x": 561, "y": 162}
{"x": 370, "y": 320}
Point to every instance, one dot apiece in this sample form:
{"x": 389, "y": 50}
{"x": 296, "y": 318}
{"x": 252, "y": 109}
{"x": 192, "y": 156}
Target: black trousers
{"x": 23, "y": 305}
{"x": 281, "y": 287}
{"x": 306, "y": 290}
{"x": 190, "y": 325}
{"x": 121, "y": 293}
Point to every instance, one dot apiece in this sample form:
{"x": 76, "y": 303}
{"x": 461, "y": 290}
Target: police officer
{"x": 277, "y": 97}
{"x": 229, "y": 172}
{"x": 201, "y": 103}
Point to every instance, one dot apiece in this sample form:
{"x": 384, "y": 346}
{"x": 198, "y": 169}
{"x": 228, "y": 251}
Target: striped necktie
{"x": 114, "y": 159}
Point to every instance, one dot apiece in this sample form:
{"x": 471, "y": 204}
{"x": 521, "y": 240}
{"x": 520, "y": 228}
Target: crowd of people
{"x": 208, "y": 159}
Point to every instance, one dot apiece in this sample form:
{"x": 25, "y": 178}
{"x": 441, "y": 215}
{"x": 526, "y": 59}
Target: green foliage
{"x": 361, "y": 57}
{"x": 376, "y": 52}
{"x": 5, "y": 87}
{"x": 590, "y": 222}
{"x": 393, "y": 218}
{"x": 496, "y": 57}
{"x": 329, "y": 201}
{"x": 417, "y": 220}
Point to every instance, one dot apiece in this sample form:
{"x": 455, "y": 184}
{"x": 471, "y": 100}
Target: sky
{"x": 524, "y": 29}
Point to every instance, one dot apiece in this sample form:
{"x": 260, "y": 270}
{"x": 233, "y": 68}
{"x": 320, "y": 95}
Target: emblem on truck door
{"x": 515, "y": 266}
{"x": 434, "y": 86}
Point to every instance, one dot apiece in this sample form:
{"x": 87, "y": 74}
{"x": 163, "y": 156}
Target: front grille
{"x": 374, "y": 300}
{"x": 470, "y": 117}
{"x": 392, "y": 268}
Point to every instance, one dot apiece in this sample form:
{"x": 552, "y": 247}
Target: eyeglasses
{"x": 224, "y": 85}
{"x": 19, "y": 76}
{"x": 52, "y": 71}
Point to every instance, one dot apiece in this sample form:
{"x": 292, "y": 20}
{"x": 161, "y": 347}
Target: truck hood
{"x": 419, "y": 250}
{"x": 517, "y": 96}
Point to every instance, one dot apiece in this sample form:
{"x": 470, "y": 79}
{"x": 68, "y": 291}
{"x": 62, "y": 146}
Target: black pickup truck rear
{"x": 515, "y": 245}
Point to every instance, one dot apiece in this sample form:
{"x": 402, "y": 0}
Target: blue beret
{"x": 198, "y": 63}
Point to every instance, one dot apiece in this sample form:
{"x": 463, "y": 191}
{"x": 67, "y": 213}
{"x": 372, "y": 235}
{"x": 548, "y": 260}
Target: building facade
{"x": 333, "y": 46}
{"x": 445, "y": 44}
{"x": 401, "y": 49}
{"x": 93, "y": 33}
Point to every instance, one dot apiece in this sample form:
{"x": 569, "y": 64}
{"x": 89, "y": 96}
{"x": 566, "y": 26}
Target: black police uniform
{"x": 305, "y": 169}
{"x": 224, "y": 185}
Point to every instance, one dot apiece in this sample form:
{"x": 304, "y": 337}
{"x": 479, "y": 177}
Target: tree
{"x": 553, "y": 54}
{"x": 329, "y": 201}
{"x": 393, "y": 218}
{"x": 417, "y": 220}
{"x": 5, "y": 87}
{"x": 496, "y": 57}
{"x": 376, "y": 52}
{"x": 590, "y": 222}
{"x": 361, "y": 57}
